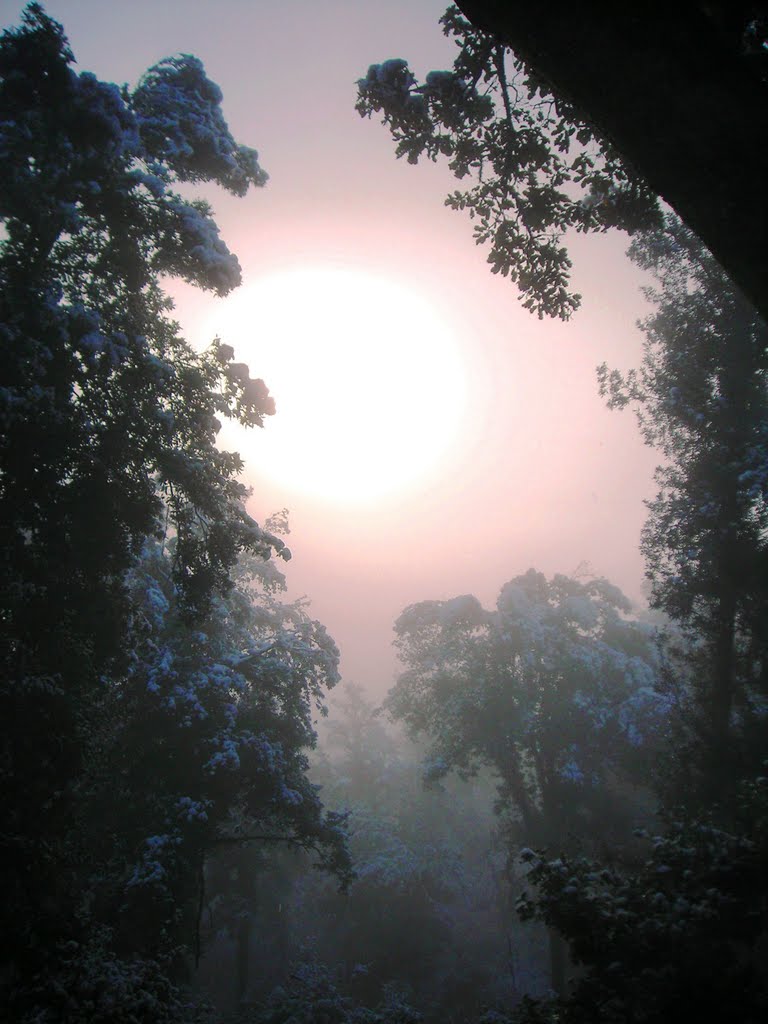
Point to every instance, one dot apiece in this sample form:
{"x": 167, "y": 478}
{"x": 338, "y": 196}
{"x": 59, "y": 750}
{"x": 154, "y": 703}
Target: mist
{"x": 383, "y": 506}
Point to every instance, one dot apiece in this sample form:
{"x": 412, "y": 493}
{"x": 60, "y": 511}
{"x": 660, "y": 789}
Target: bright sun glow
{"x": 367, "y": 378}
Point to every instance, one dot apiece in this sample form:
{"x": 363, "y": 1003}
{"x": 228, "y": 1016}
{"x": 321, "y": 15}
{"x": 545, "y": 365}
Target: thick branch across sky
{"x": 680, "y": 90}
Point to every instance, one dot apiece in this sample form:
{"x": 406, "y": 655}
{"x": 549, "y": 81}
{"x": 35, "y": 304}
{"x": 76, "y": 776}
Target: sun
{"x": 367, "y": 377}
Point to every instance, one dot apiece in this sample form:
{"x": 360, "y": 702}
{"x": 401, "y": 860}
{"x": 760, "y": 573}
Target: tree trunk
{"x": 719, "y": 767}
{"x": 558, "y": 961}
{"x": 722, "y": 703}
{"x": 243, "y": 957}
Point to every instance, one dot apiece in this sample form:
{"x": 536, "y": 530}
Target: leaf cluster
{"x": 701, "y": 399}
{"x": 536, "y": 169}
{"x": 679, "y": 936}
{"x": 219, "y": 712}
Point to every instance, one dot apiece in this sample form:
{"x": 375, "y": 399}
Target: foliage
{"x": 88, "y": 984}
{"x": 219, "y": 713}
{"x": 428, "y": 915}
{"x": 148, "y": 709}
{"x": 666, "y": 94}
{"x": 701, "y": 397}
{"x": 312, "y": 996}
{"x": 554, "y": 691}
{"x": 683, "y": 934}
{"x": 420, "y": 863}
{"x": 104, "y": 405}
{"x": 537, "y": 169}
{"x": 682, "y": 937}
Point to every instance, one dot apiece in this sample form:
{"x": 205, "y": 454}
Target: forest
{"x": 559, "y": 810}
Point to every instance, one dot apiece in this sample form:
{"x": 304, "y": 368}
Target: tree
{"x": 691, "y": 917}
{"x": 680, "y": 936}
{"x": 553, "y": 691}
{"x": 219, "y": 713}
{"x": 312, "y": 995}
{"x": 681, "y": 94}
{"x": 428, "y": 913}
{"x": 108, "y": 445}
{"x": 701, "y": 398}
{"x": 537, "y": 169}
{"x": 577, "y": 119}
{"x": 421, "y": 861}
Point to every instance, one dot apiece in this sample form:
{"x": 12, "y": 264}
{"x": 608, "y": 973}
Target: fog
{"x": 439, "y": 735}
{"x": 543, "y": 475}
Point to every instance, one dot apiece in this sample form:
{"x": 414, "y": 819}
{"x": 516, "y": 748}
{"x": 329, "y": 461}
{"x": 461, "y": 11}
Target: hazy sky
{"x": 538, "y": 472}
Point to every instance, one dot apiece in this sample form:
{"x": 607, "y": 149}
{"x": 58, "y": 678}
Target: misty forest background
{"x": 560, "y": 810}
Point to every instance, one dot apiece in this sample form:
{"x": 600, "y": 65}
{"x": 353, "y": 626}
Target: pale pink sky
{"x": 544, "y": 476}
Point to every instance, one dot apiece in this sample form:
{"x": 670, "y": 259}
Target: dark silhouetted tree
{"x": 680, "y": 936}
{"x": 108, "y": 446}
{"x": 535, "y": 170}
{"x": 701, "y": 397}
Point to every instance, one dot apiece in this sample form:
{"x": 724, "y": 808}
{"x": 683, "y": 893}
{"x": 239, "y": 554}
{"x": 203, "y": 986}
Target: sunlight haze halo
{"x": 367, "y": 377}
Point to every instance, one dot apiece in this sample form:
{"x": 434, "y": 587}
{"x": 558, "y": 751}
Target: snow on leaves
{"x": 194, "y": 250}
{"x": 549, "y": 690}
{"x": 686, "y": 922}
{"x": 126, "y": 413}
{"x": 181, "y": 125}
{"x": 226, "y": 708}
{"x": 153, "y": 709}
{"x": 85, "y": 158}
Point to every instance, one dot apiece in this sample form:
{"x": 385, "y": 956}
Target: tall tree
{"x": 691, "y": 919}
{"x": 553, "y": 691}
{"x": 701, "y": 397}
{"x": 109, "y": 439}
